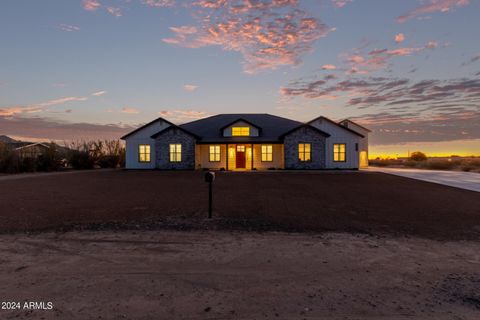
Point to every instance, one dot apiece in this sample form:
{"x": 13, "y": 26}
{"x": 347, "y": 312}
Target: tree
{"x": 418, "y": 156}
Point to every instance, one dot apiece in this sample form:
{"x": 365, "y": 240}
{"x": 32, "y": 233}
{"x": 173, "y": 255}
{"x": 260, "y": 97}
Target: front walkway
{"x": 463, "y": 180}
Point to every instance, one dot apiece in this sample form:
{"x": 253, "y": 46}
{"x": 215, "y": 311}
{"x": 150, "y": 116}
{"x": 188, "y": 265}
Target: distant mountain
{"x": 7, "y": 139}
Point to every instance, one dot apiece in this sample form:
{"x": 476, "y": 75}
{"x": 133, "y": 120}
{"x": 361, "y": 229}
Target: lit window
{"x": 339, "y": 153}
{"x": 143, "y": 153}
{"x": 175, "y": 152}
{"x": 214, "y": 154}
{"x": 241, "y": 131}
{"x": 267, "y": 153}
{"x": 304, "y": 152}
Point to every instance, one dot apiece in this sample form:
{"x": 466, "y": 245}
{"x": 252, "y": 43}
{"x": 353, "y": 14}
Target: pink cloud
{"x": 433, "y": 6}
{"x": 268, "y": 34}
{"x": 329, "y": 67}
{"x": 181, "y": 116}
{"x": 11, "y": 111}
{"x": 431, "y": 45}
{"x": 379, "y": 58}
{"x": 129, "y": 110}
{"x": 190, "y": 87}
{"x": 402, "y": 51}
{"x": 117, "y": 12}
{"x": 341, "y": 3}
{"x": 38, "y": 107}
{"x": 99, "y": 93}
{"x": 399, "y": 38}
{"x": 91, "y": 5}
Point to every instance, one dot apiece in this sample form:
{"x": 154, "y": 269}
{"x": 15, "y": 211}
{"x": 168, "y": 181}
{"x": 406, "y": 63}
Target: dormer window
{"x": 240, "y": 131}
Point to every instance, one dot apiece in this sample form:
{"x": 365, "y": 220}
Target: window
{"x": 214, "y": 154}
{"x": 143, "y": 153}
{"x": 304, "y": 152}
{"x": 267, "y": 153}
{"x": 339, "y": 153}
{"x": 175, "y": 152}
{"x": 240, "y": 131}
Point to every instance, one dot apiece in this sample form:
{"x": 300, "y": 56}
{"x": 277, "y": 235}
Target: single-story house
{"x": 247, "y": 142}
{"x": 32, "y": 150}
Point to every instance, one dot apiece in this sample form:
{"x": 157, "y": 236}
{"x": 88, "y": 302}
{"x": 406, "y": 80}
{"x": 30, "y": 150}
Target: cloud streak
{"x": 38, "y": 107}
{"x": 158, "y": 3}
{"x": 432, "y": 6}
{"x": 68, "y": 27}
{"x": 99, "y": 93}
{"x": 182, "y": 116}
{"x": 129, "y": 110}
{"x": 190, "y": 87}
{"x": 341, "y": 3}
{"x": 372, "y": 91}
{"x": 399, "y": 38}
{"x": 116, "y": 12}
{"x": 38, "y": 128}
{"x": 91, "y": 5}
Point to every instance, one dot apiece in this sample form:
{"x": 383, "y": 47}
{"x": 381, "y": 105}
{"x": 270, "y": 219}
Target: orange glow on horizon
{"x": 462, "y": 148}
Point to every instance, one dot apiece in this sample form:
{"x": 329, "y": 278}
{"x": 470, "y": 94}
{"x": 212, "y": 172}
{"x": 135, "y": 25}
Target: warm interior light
{"x": 240, "y": 131}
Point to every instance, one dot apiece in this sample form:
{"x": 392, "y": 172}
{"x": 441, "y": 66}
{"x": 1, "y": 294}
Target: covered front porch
{"x": 239, "y": 156}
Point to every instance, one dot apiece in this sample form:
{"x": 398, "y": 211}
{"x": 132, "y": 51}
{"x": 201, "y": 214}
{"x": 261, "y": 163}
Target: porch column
{"x": 226, "y": 156}
{"x": 251, "y": 167}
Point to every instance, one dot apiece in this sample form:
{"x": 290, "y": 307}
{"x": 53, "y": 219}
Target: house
{"x": 32, "y": 150}
{"x": 247, "y": 142}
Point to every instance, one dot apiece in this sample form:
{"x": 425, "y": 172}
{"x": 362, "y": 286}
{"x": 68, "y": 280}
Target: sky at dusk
{"x": 81, "y": 69}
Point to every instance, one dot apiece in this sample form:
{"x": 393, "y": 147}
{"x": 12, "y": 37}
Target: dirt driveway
{"x": 366, "y": 202}
{"x": 232, "y": 275}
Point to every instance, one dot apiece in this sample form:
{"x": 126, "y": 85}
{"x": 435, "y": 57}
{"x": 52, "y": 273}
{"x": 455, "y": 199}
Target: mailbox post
{"x": 209, "y": 178}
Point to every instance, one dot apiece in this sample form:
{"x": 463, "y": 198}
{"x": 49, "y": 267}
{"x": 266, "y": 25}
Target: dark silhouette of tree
{"x": 418, "y": 156}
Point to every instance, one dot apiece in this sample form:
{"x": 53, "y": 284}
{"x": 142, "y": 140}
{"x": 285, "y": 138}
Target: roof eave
{"x": 146, "y": 125}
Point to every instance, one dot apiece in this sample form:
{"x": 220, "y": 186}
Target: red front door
{"x": 240, "y": 157}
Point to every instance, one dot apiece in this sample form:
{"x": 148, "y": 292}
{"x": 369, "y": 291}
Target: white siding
{"x": 227, "y": 132}
{"x": 363, "y": 146}
{"x": 339, "y": 135}
{"x": 142, "y": 137}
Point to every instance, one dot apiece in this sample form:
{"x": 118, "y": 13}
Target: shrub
{"x": 108, "y": 161}
{"x": 101, "y": 153}
{"x": 50, "y": 160}
{"x": 440, "y": 165}
{"x": 9, "y": 161}
{"x": 385, "y": 162}
{"x": 28, "y": 165}
{"x": 411, "y": 163}
{"x": 80, "y": 160}
{"x": 418, "y": 156}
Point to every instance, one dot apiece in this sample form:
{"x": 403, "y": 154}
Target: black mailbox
{"x": 209, "y": 176}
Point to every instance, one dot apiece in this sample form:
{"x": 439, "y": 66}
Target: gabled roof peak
{"x": 146, "y": 125}
{"x": 335, "y": 123}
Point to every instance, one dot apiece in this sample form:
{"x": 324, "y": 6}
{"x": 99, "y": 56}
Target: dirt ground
{"x": 136, "y": 245}
{"x": 238, "y": 275}
{"x": 361, "y": 202}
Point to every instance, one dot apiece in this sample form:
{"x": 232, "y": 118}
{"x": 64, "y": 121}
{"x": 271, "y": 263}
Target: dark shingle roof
{"x": 7, "y": 139}
{"x": 210, "y": 129}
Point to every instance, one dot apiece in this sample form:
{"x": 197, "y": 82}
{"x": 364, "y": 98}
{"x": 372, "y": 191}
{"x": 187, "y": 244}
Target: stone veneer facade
{"x": 162, "y": 149}
{"x": 305, "y": 135}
